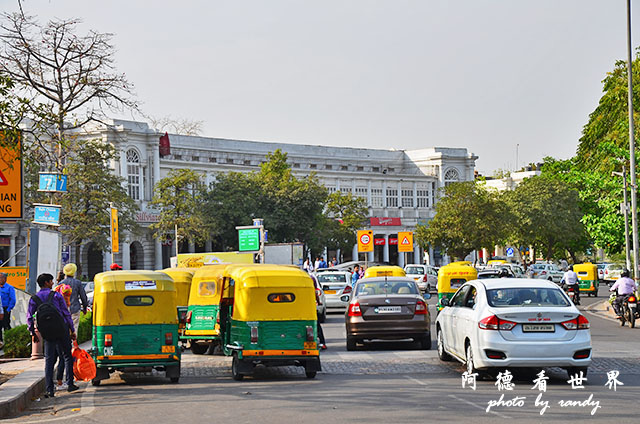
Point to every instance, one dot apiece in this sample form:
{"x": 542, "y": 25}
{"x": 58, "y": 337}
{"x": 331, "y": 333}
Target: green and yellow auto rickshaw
{"x": 182, "y": 280}
{"x": 588, "y": 278}
{"x": 201, "y": 324}
{"x": 451, "y": 277}
{"x": 135, "y": 324}
{"x": 269, "y": 318}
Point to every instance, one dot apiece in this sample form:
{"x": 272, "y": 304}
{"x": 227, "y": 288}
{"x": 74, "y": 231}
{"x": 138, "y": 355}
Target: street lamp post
{"x": 632, "y": 147}
{"x": 625, "y": 208}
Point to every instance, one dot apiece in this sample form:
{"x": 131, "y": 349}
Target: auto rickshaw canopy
{"x": 271, "y": 293}
{"x": 455, "y": 272}
{"x": 586, "y": 271}
{"x": 206, "y": 285}
{"x": 134, "y": 297}
{"x": 384, "y": 271}
{"x": 182, "y": 280}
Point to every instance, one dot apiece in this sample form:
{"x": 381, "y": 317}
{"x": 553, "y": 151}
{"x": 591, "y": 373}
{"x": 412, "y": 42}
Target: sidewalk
{"x": 17, "y": 393}
{"x": 603, "y": 309}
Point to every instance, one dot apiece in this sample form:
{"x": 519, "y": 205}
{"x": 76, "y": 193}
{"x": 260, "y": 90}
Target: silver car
{"x": 426, "y": 276}
{"x": 335, "y": 284}
{"x": 513, "y": 322}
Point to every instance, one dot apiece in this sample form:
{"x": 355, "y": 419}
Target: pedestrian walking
{"x": 8, "y": 295}
{"x": 334, "y": 261}
{"x": 78, "y": 295}
{"x": 65, "y": 291}
{"x": 307, "y": 266}
{"x": 316, "y": 264}
{"x": 356, "y": 275}
{"x": 47, "y": 310}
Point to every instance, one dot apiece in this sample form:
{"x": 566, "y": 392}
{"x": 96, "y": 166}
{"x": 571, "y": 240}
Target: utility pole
{"x": 632, "y": 146}
{"x": 625, "y": 209}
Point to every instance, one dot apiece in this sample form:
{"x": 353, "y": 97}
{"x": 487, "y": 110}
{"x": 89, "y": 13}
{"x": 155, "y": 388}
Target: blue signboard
{"x": 46, "y": 214}
{"x": 510, "y": 252}
{"x": 65, "y": 255}
{"x": 52, "y": 182}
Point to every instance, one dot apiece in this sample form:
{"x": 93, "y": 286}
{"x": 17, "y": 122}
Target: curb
{"x": 19, "y": 391}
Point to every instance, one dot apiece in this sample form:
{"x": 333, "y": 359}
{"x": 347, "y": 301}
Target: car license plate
{"x": 330, "y": 292}
{"x": 538, "y": 328}
{"x": 389, "y": 309}
{"x": 309, "y": 345}
{"x": 168, "y": 349}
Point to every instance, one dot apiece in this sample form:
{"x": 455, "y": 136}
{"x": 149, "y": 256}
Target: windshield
{"x": 414, "y": 270}
{"x": 485, "y": 275}
{"x": 370, "y": 288}
{"x": 502, "y": 298}
{"x": 332, "y": 278}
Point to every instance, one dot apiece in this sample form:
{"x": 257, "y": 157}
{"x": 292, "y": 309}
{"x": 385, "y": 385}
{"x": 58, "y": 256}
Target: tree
{"x": 547, "y": 215}
{"x": 91, "y": 190}
{"x": 468, "y": 217}
{"x": 345, "y": 214}
{"x": 179, "y": 197}
{"x": 176, "y": 125}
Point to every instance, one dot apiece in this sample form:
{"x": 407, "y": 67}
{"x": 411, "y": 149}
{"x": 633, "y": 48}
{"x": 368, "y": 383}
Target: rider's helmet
{"x": 570, "y": 267}
{"x": 625, "y": 273}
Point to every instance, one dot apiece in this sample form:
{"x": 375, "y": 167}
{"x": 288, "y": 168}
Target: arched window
{"x": 133, "y": 173}
{"x": 451, "y": 176}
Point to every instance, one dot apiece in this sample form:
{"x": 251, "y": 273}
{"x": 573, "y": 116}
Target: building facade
{"x": 400, "y": 186}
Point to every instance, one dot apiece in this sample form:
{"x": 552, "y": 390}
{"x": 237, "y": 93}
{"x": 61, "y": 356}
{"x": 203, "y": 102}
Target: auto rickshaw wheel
{"x": 234, "y": 368}
{"x": 311, "y": 374}
{"x": 199, "y": 349}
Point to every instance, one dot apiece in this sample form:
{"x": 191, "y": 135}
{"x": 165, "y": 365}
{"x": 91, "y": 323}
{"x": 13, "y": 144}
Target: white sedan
{"x": 509, "y": 322}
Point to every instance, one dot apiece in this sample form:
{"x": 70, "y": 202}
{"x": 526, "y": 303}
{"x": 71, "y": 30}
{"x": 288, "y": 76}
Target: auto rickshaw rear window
{"x": 457, "y": 282}
{"x": 138, "y": 300}
{"x": 207, "y": 288}
{"x": 281, "y": 297}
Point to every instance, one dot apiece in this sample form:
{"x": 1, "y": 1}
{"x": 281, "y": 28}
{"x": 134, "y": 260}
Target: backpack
{"x": 48, "y": 319}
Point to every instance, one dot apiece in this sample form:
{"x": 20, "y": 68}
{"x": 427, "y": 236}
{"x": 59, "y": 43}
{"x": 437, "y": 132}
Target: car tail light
{"x": 421, "y": 308}
{"x": 495, "y": 354}
{"x": 183, "y": 316}
{"x": 318, "y": 299}
{"x": 188, "y": 320}
{"x": 168, "y": 338}
{"x": 347, "y": 290}
{"x": 309, "y": 333}
{"x": 632, "y": 299}
{"x": 424, "y": 278}
{"x": 108, "y": 340}
{"x": 543, "y": 272}
{"x": 254, "y": 334}
{"x": 582, "y": 354}
{"x": 579, "y": 323}
{"x": 354, "y": 310}
{"x": 492, "y": 322}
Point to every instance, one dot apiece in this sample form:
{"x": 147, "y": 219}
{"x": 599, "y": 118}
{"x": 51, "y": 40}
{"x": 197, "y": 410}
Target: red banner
{"x": 381, "y": 221}
{"x": 378, "y": 242}
{"x": 393, "y": 240}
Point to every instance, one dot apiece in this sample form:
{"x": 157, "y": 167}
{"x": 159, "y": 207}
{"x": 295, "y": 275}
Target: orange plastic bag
{"x": 84, "y": 368}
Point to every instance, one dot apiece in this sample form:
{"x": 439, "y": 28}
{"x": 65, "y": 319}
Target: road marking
{"x": 415, "y": 380}
{"x": 459, "y": 399}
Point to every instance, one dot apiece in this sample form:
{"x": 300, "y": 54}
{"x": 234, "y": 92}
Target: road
{"x": 387, "y": 382}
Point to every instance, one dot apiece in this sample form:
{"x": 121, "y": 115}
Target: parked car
{"x": 426, "y": 276}
{"x": 387, "y": 308}
{"x": 335, "y": 283}
{"x": 321, "y": 305}
{"x": 611, "y": 272}
{"x": 601, "y": 271}
{"x": 510, "y": 322}
{"x": 549, "y": 272}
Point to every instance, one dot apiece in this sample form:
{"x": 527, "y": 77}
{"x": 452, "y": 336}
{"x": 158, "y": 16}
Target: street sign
{"x": 10, "y": 181}
{"x": 52, "y": 182}
{"x": 249, "y": 239}
{"x": 365, "y": 241}
{"x": 510, "y": 252}
{"x": 405, "y": 241}
{"x": 115, "y": 242}
{"x": 46, "y": 214}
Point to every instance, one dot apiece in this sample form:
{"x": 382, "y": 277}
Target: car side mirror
{"x": 345, "y": 298}
{"x": 444, "y": 301}
{"x": 427, "y": 296}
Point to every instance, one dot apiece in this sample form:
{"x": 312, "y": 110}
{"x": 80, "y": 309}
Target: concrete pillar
{"x": 417, "y": 257}
{"x": 370, "y": 257}
{"x": 354, "y": 252}
{"x": 431, "y": 259}
{"x": 485, "y": 255}
{"x": 385, "y": 250}
{"x": 338, "y": 256}
{"x": 126, "y": 254}
{"x": 12, "y": 250}
{"x": 123, "y": 169}
{"x": 208, "y": 246}
{"x": 401, "y": 259}
{"x": 369, "y": 193}
{"x": 384, "y": 196}
{"x": 192, "y": 247}
{"x": 158, "y": 254}
{"x": 400, "y": 196}
{"x": 325, "y": 254}
{"x": 156, "y": 164}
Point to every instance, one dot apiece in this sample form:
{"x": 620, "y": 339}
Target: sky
{"x": 506, "y": 79}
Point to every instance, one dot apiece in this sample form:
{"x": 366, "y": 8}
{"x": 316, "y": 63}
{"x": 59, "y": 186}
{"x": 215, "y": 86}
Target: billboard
{"x": 10, "y": 180}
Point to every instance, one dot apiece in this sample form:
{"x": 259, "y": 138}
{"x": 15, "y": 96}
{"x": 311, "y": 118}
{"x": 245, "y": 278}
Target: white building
{"x": 400, "y": 186}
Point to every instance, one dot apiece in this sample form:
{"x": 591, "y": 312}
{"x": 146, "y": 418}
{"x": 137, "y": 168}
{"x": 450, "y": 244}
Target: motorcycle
{"x": 572, "y": 292}
{"x": 629, "y": 310}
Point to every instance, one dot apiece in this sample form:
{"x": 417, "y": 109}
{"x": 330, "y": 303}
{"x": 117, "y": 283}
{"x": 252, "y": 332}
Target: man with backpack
{"x": 48, "y": 312}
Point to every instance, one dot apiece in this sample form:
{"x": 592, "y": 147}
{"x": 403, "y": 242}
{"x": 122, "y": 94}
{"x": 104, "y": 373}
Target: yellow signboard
{"x": 16, "y": 276}
{"x": 197, "y": 260}
{"x": 10, "y": 180}
{"x": 365, "y": 241}
{"x": 115, "y": 243}
{"x": 405, "y": 241}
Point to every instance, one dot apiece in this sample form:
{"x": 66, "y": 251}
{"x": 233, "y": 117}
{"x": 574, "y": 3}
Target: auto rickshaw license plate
{"x": 309, "y": 345}
{"x": 168, "y": 349}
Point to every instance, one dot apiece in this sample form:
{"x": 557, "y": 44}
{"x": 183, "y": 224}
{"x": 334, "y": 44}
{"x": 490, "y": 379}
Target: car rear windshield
{"x": 538, "y": 266}
{"x": 414, "y": 270}
{"x": 482, "y": 275}
{"x": 523, "y": 296}
{"x": 385, "y": 287}
{"x": 332, "y": 278}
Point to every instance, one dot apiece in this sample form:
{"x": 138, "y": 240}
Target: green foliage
{"x": 17, "y": 342}
{"x": 85, "y": 327}
{"x": 346, "y": 214}
{"x": 179, "y": 197}
{"x": 468, "y": 217}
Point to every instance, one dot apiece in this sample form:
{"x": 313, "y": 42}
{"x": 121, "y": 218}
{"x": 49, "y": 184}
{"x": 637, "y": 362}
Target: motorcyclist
{"x": 570, "y": 280}
{"x": 625, "y": 287}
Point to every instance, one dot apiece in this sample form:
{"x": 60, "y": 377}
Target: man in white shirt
{"x": 570, "y": 279}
